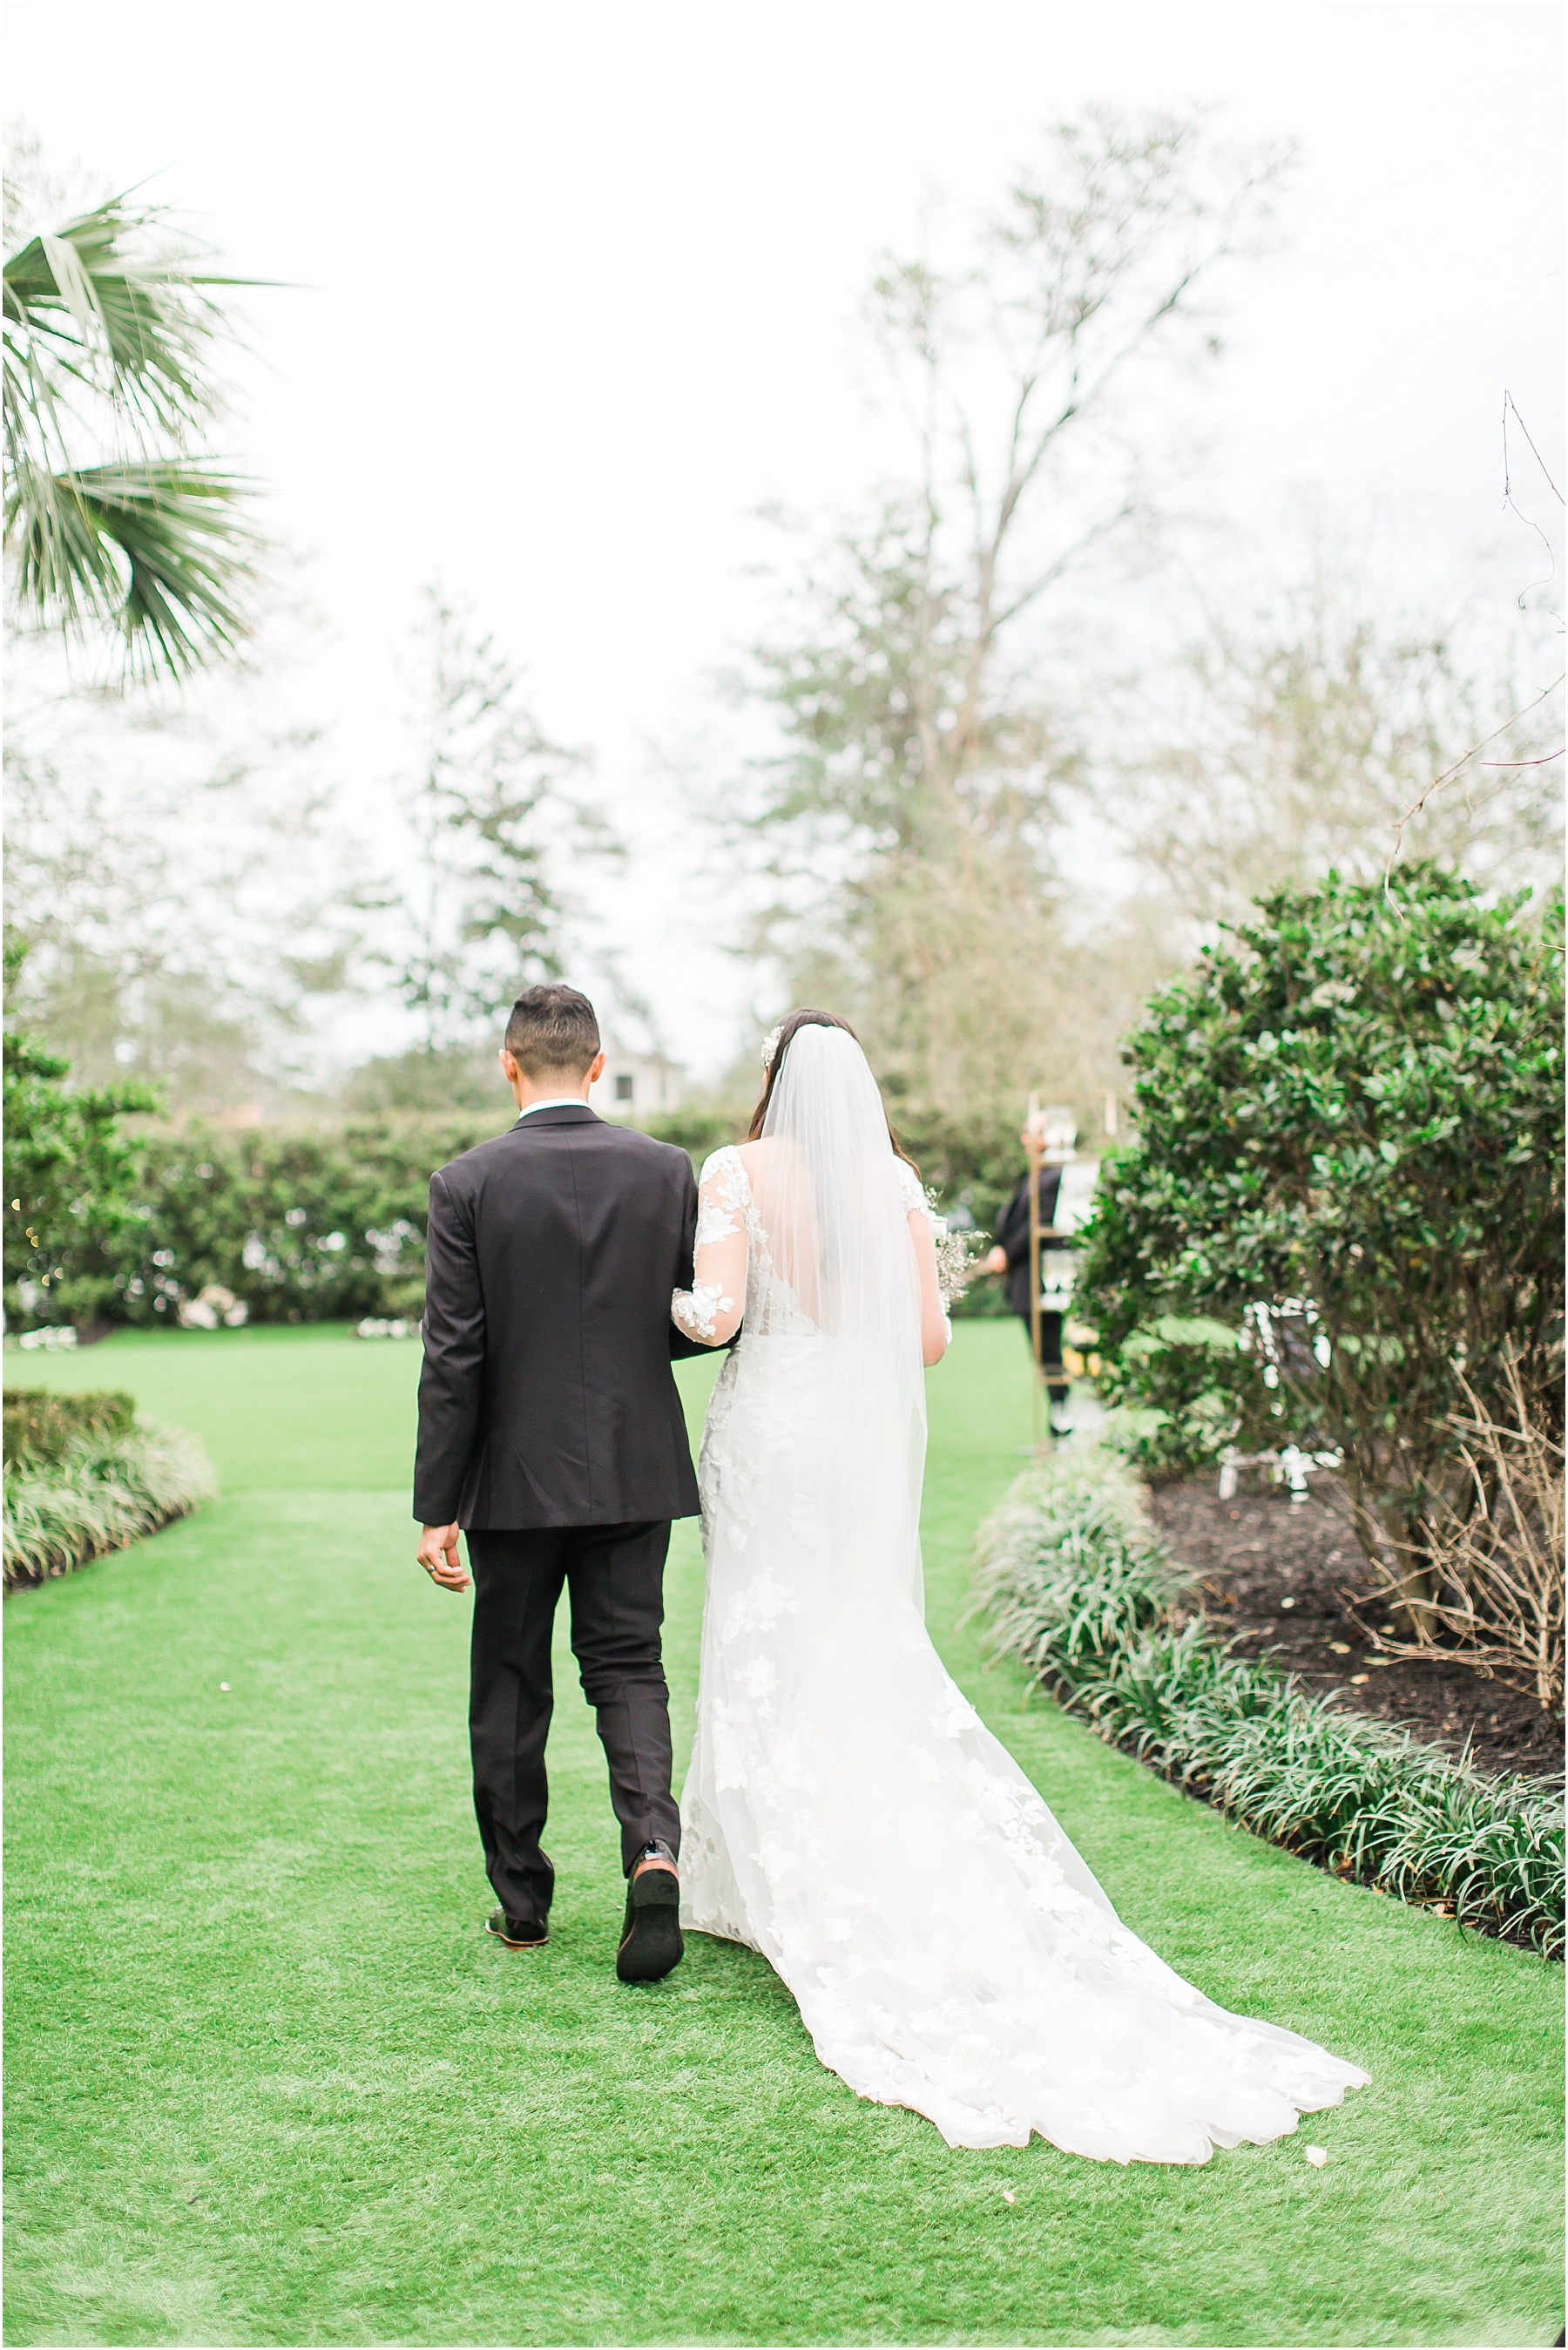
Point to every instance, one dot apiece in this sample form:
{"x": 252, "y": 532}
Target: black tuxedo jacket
{"x": 1012, "y": 1232}
{"x": 546, "y": 1396}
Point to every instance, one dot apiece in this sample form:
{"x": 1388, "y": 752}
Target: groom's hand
{"x": 437, "y": 1553}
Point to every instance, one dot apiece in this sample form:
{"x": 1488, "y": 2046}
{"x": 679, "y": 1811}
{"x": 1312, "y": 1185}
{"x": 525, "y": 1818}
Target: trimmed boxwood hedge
{"x": 326, "y": 1223}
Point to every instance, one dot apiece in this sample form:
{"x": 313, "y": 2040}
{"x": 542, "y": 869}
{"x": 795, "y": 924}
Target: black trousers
{"x": 616, "y": 1575}
{"x": 1050, "y": 1352}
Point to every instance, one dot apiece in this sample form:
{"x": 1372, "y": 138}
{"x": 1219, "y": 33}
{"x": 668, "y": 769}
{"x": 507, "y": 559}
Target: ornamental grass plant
{"x": 1073, "y": 1580}
{"x": 83, "y": 1477}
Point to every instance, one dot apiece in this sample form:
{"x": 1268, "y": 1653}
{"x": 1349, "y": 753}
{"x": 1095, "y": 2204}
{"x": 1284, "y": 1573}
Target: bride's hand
{"x": 438, "y": 1554}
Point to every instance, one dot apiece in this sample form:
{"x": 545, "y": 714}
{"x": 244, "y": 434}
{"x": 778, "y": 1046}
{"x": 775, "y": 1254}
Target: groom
{"x": 551, "y": 1434}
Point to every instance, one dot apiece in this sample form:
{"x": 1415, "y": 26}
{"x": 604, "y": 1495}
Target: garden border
{"x": 99, "y": 1495}
{"x": 1076, "y": 1582}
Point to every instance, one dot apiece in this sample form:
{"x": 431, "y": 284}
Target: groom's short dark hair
{"x": 552, "y": 1027}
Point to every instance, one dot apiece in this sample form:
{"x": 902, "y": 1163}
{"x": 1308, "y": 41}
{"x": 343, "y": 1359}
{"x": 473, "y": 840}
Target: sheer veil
{"x": 826, "y": 1191}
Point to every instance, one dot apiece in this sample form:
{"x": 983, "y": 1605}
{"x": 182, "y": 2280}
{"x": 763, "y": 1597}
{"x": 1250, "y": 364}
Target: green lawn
{"x": 270, "y": 2084}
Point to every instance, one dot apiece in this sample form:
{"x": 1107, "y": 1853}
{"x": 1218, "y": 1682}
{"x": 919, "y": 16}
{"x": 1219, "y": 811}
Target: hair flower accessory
{"x": 771, "y": 1044}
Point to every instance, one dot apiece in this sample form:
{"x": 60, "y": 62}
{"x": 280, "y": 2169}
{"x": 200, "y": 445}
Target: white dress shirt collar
{"x": 556, "y": 1101}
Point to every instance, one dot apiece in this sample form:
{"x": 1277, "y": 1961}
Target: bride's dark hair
{"x": 787, "y": 1030}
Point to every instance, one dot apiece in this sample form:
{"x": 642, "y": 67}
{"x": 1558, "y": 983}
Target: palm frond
{"x": 153, "y": 550}
{"x": 110, "y": 336}
{"x": 136, "y": 326}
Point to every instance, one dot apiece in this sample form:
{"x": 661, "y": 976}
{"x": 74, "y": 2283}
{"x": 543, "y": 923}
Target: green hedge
{"x": 1074, "y": 1580}
{"x": 326, "y": 1223}
{"x": 303, "y": 1225}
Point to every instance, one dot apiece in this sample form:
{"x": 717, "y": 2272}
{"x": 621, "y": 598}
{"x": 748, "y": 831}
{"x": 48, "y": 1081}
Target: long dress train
{"x": 847, "y": 1813}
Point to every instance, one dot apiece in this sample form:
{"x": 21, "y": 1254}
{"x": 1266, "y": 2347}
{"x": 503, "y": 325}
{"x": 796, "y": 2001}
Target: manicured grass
{"x": 269, "y": 2083}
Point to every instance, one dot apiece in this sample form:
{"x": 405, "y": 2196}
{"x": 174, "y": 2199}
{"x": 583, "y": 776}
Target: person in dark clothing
{"x": 1011, "y": 1256}
{"x": 551, "y": 1434}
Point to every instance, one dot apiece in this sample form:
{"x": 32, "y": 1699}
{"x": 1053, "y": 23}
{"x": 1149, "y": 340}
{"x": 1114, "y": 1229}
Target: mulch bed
{"x": 1278, "y": 1577}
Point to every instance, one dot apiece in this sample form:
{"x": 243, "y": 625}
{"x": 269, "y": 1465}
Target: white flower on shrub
{"x": 332, "y": 1242}
{"x": 256, "y": 1257}
{"x": 388, "y": 1245}
{"x": 215, "y": 1304}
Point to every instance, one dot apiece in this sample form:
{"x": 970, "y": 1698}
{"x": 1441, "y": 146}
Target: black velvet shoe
{"x": 517, "y": 1933}
{"x": 651, "y": 1942}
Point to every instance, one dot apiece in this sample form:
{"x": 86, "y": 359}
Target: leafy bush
{"x": 42, "y": 1426}
{"x": 1178, "y": 1394}
{"x": 98, "y": 1494}
{"x": 70, "y": 1180}
{"x": 1076, "y": 1582}
{"x": 1349, "y": 1151}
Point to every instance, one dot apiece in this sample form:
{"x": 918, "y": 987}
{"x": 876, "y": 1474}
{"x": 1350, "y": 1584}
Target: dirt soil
{"x": 1279, "y": 1576}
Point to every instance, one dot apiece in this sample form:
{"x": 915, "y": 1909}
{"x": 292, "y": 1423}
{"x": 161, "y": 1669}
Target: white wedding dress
{"x": 847, "y": 1813}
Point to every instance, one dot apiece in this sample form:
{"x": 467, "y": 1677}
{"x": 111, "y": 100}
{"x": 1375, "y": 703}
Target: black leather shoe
{"x": 651, "y": 1942}
{"x": 517, "y": 1933}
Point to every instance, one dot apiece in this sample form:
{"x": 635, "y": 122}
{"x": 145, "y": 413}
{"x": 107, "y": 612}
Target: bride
{"x": 847, "y": 1813}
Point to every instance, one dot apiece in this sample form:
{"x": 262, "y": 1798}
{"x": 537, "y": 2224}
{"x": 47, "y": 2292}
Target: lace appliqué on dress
{"x": 697, "y": 1309}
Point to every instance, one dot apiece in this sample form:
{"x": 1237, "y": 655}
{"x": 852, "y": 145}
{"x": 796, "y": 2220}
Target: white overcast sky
{"x": 571, "y": 290}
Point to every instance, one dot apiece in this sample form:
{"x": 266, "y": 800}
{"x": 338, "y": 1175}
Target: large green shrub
{"x": 1179, "y": 1391}
{"x": 306, "y": 1224}
{"x": 70, "y": 1201}
{"x": 1349, "y": 1151}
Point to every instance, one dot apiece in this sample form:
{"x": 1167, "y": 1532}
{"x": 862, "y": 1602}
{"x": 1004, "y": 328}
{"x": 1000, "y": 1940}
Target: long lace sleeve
{"x": 711, "y": 1310}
